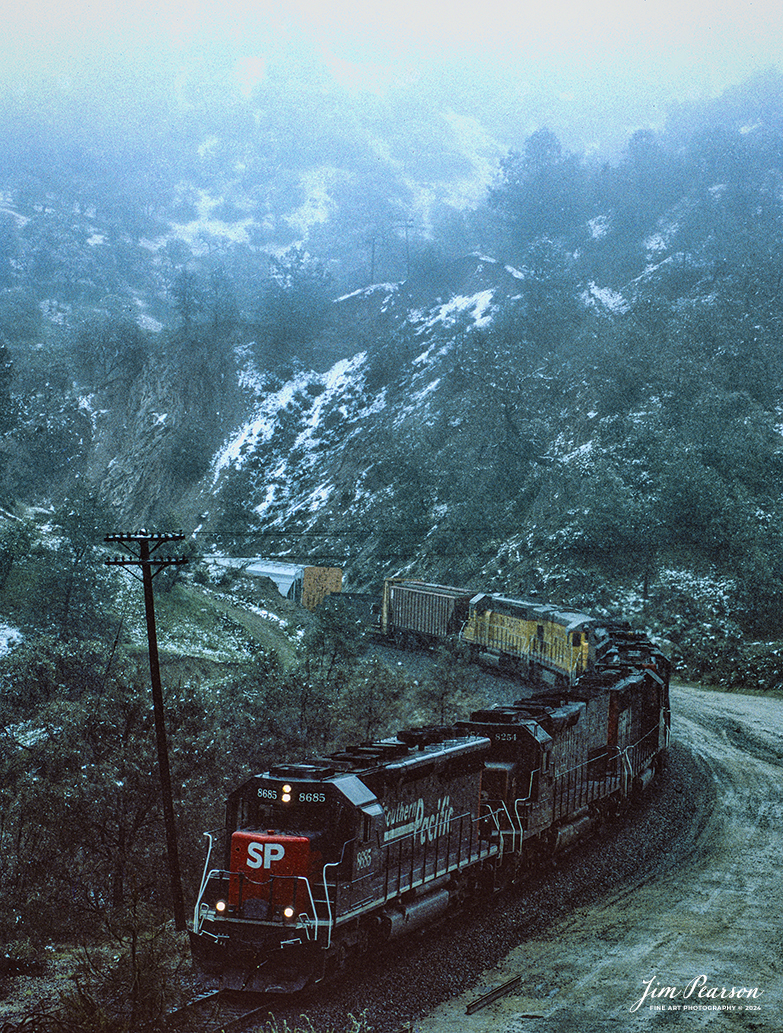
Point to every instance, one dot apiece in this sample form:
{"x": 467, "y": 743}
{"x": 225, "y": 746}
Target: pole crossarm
{"x": 168, "y": 561}
{"x": 142, "y": 547}
{"x": 146, "y": 536}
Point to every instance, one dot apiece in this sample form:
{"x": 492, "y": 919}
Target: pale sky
{"x": 719, "y": 35}
{"x": 599, "y": 56}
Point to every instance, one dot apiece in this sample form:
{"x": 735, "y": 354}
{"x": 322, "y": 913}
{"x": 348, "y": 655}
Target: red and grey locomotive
{"x": 323, "y": 859}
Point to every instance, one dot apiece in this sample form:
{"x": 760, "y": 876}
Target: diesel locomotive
{"x": 321, "y": 860}
{"x": 540, "y": 642}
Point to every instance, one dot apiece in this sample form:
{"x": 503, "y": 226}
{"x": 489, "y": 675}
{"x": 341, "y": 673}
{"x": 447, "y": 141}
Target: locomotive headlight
{"x": 286, "y": 797}
{"x": 288, "y": 912}
{"x": 221, "y": 907}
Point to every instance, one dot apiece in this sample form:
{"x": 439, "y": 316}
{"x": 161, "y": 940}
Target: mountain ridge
{"x": 572, "y": 389}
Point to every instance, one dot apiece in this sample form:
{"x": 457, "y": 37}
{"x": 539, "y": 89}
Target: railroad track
{"x": 221, "y": 1010}
{"x": 493, "y": 995}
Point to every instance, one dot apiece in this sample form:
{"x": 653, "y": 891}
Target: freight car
{"x": 324, "y": 859}
{"x": 543, "y": 643}
{"x": 417, "y": 613}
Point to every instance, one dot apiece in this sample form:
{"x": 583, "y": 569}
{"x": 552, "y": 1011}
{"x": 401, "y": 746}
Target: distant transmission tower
{"x": 143, "y": 548}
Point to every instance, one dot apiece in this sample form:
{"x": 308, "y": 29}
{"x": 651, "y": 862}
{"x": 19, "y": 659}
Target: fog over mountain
{"x": 436, "y": 290}
{"x": 592, "y": 73}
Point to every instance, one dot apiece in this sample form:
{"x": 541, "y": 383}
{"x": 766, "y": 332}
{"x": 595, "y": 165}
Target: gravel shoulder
{"x": 701, "y": 921}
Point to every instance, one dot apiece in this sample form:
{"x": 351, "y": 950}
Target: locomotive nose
{"x": 268, "y": 868}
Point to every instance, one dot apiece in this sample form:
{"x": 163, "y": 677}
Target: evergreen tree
{"x": 540, "y": 192}
{"x": 294, "y": 304}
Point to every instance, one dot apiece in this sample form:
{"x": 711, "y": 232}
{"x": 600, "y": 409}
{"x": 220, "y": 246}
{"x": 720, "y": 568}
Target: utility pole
{"x": 407, "y": 227}
{"x": 143, "y": 547}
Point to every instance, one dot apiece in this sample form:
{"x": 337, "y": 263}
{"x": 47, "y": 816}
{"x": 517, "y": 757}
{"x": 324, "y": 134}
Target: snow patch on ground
{"x": 259, "y": 428}
{"x": 148, "y": 323}
{"x": 579, "y": 455}
{"x": 478, "y": 306}
{"x": 599, "y": 227}
{"x": 9, "y": 637}
{"x": 611, "y": 300}
{"x": 655, "y": 243}
{"x": 419, "y": 396}
{"x": 28, "y": 734}
{"x": 365, "y": 292}
{"x": 335, "y": 384}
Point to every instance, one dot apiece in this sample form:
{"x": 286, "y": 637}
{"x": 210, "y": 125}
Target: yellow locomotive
{"x": 542, "y": 642}
{"x": 555, "y": 646}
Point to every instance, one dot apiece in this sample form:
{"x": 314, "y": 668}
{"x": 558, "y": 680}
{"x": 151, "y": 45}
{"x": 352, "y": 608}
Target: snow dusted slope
{"x": 337, "y": 456}
{"x": 292, "y": 430}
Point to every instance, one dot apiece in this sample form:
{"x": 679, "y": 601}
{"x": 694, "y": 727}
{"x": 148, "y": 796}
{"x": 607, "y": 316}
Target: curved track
{"x": 711, "y": 910}
{"x": 688, "y": 884}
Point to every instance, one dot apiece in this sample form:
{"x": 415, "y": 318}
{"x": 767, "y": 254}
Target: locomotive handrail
{"x": 330, "y": 919}
{"x": 577, "y": 668}
{"x": 667, "y": 729}
{"x": 494, "y": 815}
{"x": 573, "y": 786}
{"x": 590, "y": 760}
{"x": 523, "y": 800}
{"x": 222, "y": 875}
{"x": 627, "y": 769}
{"x": 296, "y": 879}
{"x": 201, "y": 908}
{"x": 415, "y": 861}
{"x": 204, "y": 881}
{"x": 621, "y": 752}
{"x": 637, "y": 748}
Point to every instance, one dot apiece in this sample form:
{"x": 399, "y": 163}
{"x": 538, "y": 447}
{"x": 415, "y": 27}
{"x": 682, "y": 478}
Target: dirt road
{"x": 707, "y": 926}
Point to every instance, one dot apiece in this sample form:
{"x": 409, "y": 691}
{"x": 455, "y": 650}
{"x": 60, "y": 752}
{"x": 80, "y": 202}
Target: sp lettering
{"x": 264, "y": 855}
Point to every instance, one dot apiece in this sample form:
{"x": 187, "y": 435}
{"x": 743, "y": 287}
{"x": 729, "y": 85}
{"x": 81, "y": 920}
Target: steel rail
{"x": 493, "y": 995}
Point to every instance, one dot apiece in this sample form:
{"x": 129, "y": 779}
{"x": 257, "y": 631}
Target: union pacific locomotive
{"x": 323, "y": 859}
{"x": 541, "y": 642}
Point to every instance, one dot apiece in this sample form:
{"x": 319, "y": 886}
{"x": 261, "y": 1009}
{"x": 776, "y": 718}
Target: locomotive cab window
{"x": 576, "y": 638}
{"x": 494, "y": 784}
{"x": 248, "y": 814}
{"x": 287, "y": 811}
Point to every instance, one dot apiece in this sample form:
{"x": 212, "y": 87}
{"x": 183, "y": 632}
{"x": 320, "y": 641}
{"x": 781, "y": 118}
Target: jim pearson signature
{"x": 696, "y": 988}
